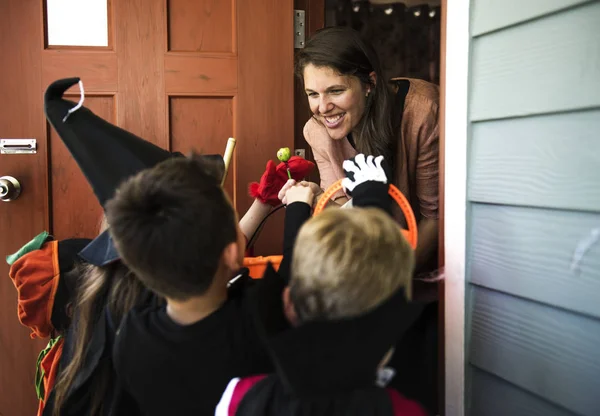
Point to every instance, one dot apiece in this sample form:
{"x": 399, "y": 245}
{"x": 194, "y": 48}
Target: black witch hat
{"x": 106, "y": 154}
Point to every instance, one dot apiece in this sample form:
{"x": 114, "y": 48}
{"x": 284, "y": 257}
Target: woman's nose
{"x": 325, "y": 105}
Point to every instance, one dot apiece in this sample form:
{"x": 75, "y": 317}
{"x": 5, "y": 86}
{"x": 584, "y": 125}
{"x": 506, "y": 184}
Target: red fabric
{"x": 401, "y": 406}
{"x": 241, "y": 388}
{"x": 50, "y": 366}
{"x": 35, "y": 276}
{"x": 274, "y": 177}
{"x": 404, "y": 407}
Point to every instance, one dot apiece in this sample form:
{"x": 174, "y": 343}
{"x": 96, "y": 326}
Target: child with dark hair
{"x": 175, "y": 228}
{"x": 102, "y": 288}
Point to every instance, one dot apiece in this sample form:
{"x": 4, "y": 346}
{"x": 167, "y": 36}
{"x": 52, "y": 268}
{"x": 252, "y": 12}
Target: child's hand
{"x": 367, "y": 181}
{"x": 360, "y": 170}
{"x": 316, "y": 189}
{"x": 284, "y": 190}
{"x": 292, "y": 192}
{"x": 299, "y": 193}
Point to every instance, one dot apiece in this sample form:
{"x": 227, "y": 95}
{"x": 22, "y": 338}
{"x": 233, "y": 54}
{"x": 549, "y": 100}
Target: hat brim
{"x": 100, "y": 251}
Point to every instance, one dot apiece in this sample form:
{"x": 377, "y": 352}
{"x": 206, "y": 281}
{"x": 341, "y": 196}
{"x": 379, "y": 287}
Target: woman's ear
{"x": 288, "y": 307}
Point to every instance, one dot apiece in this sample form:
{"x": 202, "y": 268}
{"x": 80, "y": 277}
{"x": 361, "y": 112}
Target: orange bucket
{"x": 257, "y": 265}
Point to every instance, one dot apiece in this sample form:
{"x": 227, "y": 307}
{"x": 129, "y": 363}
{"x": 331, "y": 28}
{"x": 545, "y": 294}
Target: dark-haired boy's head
{"x": 174, "y": 226}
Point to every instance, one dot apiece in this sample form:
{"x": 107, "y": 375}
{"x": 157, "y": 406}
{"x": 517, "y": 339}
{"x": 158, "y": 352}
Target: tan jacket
{"x": 418, "y": 176}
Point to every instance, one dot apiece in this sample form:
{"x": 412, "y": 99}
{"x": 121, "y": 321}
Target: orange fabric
{"x": 50, "y": 365}
{"x": 35, "y": 276}
{"x": 257, "y": 265}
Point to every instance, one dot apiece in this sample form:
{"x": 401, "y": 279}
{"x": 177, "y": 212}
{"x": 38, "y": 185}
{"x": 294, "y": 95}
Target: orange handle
{"x": 411, "y": 234}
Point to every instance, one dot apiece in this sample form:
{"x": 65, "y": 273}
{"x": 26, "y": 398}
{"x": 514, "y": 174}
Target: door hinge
{"x": 299, "y": 29}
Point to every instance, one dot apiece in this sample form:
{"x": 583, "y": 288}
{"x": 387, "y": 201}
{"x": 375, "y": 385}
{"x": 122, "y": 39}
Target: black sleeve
{"x": 296, "y": 214}
{"x": 372, "y": 194}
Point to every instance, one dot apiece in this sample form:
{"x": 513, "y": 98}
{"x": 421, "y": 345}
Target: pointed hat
{"x": 106, "y": 154}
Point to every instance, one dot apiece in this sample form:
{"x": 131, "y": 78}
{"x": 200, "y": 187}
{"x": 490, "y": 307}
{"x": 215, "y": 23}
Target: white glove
{"x": 363, "y": 170}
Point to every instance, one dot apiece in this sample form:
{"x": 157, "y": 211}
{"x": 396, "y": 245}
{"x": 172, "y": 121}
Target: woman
{"x": 356, "y": 111}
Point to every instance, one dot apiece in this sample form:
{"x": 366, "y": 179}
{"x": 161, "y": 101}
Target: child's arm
{"x": 251, "y": 220}
{"x": 299, "y": 199}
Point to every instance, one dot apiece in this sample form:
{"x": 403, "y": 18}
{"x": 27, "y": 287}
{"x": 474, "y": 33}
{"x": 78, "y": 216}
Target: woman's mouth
{"x": 333, "y": 121}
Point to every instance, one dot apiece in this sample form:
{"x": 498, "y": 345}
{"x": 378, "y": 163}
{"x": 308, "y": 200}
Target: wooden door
{"x": 180, "y": 73}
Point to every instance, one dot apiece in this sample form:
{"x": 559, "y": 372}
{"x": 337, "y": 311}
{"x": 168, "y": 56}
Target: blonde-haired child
{"x": 348, "y": 304}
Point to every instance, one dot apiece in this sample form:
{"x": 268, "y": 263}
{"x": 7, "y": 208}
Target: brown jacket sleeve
{"x": 420, "y": 134}
{"x": 427, "y": 178}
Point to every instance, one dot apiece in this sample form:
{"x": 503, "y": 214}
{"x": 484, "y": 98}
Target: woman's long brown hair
{"x": 343, "y": 50}
{"x": 113, "y": 286}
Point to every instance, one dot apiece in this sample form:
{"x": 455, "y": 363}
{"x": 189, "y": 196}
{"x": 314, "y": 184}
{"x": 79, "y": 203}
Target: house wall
{"x": 532, "y": 334}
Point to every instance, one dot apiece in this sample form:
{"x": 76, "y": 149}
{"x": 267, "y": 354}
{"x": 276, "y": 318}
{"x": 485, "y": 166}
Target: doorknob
{"x": 10, "y": 188}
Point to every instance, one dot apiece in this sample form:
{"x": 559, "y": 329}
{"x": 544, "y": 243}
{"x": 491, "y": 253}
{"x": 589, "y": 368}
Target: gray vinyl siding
{"x": 533, "y": 303}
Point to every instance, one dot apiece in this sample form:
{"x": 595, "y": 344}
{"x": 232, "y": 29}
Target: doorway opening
{"x": 407, "y": 36}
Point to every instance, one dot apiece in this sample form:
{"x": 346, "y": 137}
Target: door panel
{"x": 21, "y": 116}
{"x": 97, "y": 69}
{"x": 208, "y": 121}
{"x": 183, "y": 74}
{"x": 201, "y": 25}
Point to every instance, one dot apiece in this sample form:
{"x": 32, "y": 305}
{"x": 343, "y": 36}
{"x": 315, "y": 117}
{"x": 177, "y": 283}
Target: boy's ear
{"x": 288, "y": 307}
{"x": 231, "y": 256}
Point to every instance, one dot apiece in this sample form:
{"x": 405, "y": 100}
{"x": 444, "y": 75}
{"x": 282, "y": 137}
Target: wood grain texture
{"x": 489, "y": 15}
{"x": 69, "y": 188}
{"x": 264, "y": 118}
{"x": 202, "y": 124}
{"x": 548, "y": 65}
{"x": 201, "y": 73}
{"x": 99, "y": 73}
{"x": 140, "y": 27}
{"x": 22, "y": 116}
{"x": 492, "y": 396}
{"x": 548, "y": 161}
{"x": 201, "y": 26}
{"x": 529, "y": 252}
{"x": 543, "y": 350}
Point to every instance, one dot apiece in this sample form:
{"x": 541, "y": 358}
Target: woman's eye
{"x": 312, "y": 94}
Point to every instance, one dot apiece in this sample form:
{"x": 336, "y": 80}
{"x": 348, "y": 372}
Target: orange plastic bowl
{"x": 410, "y": 234}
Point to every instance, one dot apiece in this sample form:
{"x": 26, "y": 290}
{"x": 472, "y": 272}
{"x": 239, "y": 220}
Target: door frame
{"x": 454, "y": 128}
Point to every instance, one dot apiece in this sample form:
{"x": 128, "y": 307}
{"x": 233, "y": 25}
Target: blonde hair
{"x": 348, "y": 261}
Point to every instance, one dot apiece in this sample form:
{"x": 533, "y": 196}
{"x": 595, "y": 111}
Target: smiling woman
{"x": 356, "y": 111}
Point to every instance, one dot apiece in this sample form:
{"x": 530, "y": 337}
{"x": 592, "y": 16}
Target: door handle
{"x": 10, "y": 188}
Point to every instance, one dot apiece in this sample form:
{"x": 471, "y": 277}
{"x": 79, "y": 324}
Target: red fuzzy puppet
{"x": 275, "y": 177}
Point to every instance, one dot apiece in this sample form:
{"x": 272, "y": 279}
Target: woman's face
{"x": 337, "y": 101}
